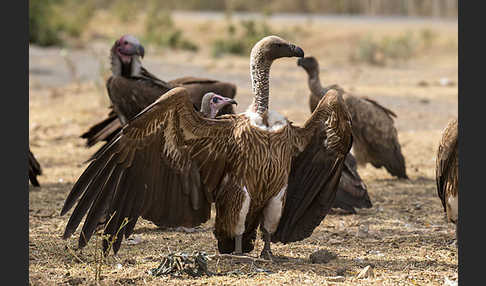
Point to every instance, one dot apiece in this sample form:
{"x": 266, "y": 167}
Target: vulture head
{"x": 126, "y": 47}
{"x": 274, "y": 47}
{"x": 212, "y": 103}
{"x": 309, "y": 64}
{"x": 125, "y": 56}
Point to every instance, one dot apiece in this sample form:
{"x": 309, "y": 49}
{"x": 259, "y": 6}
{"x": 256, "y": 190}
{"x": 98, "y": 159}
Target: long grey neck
{"x": 260, "y": 72}
{"x": 315, "y": 84}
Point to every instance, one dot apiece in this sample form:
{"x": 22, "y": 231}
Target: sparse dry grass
{"x": 408, "y": 241}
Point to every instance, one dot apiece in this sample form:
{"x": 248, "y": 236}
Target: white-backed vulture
{"x": 131, "y": 88}
{"x": 375, "y": 138}
{"x": 447, "y": 169}
{"x": 257, "y": 167}
{"x": 34, "y": 169}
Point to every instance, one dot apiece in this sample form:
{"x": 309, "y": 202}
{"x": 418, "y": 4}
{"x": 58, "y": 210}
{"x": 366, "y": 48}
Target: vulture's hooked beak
{"x": 140, "y": 51}
{"x": 231, "y": 101}
{"x": 297, "y": 51}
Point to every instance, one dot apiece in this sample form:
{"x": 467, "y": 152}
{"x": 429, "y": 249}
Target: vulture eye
{"x": 125, "y": 43}
{"x": 215, "y": 100}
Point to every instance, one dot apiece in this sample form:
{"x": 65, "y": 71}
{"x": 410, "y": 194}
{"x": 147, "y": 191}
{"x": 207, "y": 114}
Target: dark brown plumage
{"x": 374, "y": 133}
{"x": 247, "y": 164}
{"x": 131, "y": 88}
{"x": 447, "y": 169}
{"x": 34, "y": 169}
{"x": 352, "y": 191}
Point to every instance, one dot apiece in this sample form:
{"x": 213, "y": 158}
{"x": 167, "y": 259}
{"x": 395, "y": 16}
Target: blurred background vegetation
{"x": 65, "y": 22}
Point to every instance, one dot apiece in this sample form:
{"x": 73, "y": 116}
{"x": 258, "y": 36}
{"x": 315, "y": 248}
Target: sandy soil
{"x": 404, "y": 236}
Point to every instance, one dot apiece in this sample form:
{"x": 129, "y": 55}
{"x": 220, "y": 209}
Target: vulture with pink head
{"x": 131, "y": 88}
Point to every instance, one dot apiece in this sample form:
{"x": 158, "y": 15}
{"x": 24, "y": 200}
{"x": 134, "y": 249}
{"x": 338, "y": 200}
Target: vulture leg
{"x": 271, "y": 217}
{"x": 266, "y": 252}
{"x": 238, "y": 248}
{"x": 232, "y": 205}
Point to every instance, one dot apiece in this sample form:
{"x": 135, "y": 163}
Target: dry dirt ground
{"x": 403, "y": 237}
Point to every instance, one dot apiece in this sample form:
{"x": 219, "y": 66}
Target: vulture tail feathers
{"x": 352, "y": 192}
{"x": 103, "y": 131}
{"x": 396, "y": 164}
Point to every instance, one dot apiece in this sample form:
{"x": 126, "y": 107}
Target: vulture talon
{"x": 267, "y": 255}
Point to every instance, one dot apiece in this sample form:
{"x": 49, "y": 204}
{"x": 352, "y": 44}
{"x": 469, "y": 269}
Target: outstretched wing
{"x": 198, "y": 87}
{"x": 326, "y": 140}
{"x": 154, "y": 169}
{"x": 447, "y": 161}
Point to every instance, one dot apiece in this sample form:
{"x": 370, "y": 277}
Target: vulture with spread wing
{"x": 447, "y": 169}
{"x": 375, "y": 138}
{"x": 131, "y": 88}
{"x": 257, "y": 167}
{"x": 34, "y": 169}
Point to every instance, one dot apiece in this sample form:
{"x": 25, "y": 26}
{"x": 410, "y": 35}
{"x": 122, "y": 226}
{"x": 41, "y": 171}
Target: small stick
{"x": 241, "y": 258}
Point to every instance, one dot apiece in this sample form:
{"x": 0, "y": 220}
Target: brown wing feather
{"x": 34, "y": 169}
{"x": 191, "y": 80}
{"x": 316, "y": 171}
{"x": 102, "y": 131}
{"x": 352, "y": 192}
{"x": 147, "y": 171}
{"x": 376, "y": 138}
{"x": 446, "y": 171}
{"x": 375, "y": 103}
{"x": 198, "y": 87}
{"x": 129, "y": 96}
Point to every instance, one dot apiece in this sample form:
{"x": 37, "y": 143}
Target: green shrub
{"x": 239, "y": 40}
{"x": 380, "y": 52}
{"x": 51, "y": 22}
{"x": 161, "y": 30}
{"x": 42, "y": 29}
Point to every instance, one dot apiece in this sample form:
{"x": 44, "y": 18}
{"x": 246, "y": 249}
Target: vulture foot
{"x": 267, "y": 255}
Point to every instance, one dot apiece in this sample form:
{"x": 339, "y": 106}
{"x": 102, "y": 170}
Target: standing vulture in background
{"x": 375, "y": 138}
{"x": 257, "y": 167}
{"x": 447, "y": 169}
{"x": 34, "y": 169}
{"x": 131, "y": 88}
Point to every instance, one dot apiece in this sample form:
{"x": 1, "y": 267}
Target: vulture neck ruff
{"x": 119, "y": 69}
{"x": 270, "y": 121}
